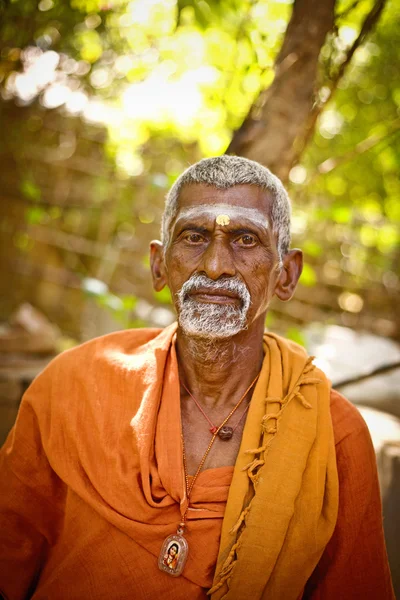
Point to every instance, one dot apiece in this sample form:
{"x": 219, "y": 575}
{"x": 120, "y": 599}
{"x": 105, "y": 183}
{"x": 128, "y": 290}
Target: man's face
{"x": 222, "y": 262}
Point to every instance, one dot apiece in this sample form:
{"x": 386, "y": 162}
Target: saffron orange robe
{"x": 91, "y": 484}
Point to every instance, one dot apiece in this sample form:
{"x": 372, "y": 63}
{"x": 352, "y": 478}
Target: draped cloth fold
{"x": 97, "y": 445}
{"x": 283, "y": 500}
{"x": 92, "y": 478}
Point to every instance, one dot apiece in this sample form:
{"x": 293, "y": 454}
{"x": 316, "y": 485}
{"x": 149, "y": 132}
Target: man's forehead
{"x": 246, "y": 201}
{"x": 243, "y": 195}
{"x": 216, "y": 212}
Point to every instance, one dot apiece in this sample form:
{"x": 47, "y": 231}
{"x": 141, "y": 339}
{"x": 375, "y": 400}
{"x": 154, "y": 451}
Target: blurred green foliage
{"x": 174, "y": 79}
{"x": 207, "y": 61}
{"x": 350, "y": 187}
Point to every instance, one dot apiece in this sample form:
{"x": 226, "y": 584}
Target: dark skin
{"x": 245, "y": 248}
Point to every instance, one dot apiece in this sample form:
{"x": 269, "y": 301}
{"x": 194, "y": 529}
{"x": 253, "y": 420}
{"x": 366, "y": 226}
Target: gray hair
{"x": 227, "y": 171}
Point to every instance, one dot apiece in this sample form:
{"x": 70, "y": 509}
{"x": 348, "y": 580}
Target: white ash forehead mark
{"x": 216, "y": 210}
{"x": 222, "y": 220}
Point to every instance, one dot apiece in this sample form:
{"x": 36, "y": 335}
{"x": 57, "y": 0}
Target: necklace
{"x": 225, "y": 432}
{"x": 175, "y": 548}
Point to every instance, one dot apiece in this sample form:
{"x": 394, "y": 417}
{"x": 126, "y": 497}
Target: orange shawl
{"x": 94, "y": 466}
{"x": 93, "y": 478}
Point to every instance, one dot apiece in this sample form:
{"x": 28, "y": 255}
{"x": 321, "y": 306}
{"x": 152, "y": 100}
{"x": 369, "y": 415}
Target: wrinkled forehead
{"x": 244, "y": 200}
{"x": 214, "y": 212}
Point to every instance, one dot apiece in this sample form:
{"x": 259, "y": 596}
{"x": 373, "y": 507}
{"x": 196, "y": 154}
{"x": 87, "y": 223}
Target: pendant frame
{"x": 180, "y": 557}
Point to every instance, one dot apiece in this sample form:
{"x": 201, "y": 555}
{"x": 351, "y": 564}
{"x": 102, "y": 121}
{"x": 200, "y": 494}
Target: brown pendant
{"x": 225, "y": 433}
{"x": 173, "y": 555}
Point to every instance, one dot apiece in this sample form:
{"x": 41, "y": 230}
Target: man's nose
{"x": 218, "y": 260}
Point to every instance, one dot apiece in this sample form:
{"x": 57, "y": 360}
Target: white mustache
{"x": 227, "y": 284}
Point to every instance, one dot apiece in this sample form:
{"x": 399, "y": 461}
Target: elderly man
{"x": 207, "y": 458}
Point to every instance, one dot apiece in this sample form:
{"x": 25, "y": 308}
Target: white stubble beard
{"x": 211, "y": 321}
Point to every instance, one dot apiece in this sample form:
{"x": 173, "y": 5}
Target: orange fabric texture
{"x": 87, "y": 497}
{"x": 354, "y": 565}
{"x": 288, "y": 495}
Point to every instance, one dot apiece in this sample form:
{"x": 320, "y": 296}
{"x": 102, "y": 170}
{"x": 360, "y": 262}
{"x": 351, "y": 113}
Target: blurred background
{"x": 103, "y": 103}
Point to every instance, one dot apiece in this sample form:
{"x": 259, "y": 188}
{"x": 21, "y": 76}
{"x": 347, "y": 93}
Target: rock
{"x": 344, "y": 354}
{"x": 28, "y": 331}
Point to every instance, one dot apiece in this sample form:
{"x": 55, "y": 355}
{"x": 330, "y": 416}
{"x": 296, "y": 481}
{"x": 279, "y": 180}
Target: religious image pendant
{"x": 173, "y": 555}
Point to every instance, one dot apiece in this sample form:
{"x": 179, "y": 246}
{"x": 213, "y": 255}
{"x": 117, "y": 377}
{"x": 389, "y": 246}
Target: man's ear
{"x": 289, "y": 276}
{"x": 157, "y": 265}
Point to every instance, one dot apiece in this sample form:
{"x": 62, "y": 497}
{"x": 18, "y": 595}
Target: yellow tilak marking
{"x": 222, "y": 220}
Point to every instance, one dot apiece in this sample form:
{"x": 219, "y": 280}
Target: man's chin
{"x": 210, "y": 332}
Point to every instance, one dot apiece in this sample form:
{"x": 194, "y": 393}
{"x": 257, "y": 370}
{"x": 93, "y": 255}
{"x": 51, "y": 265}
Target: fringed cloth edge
{"x": 296, "y": 424}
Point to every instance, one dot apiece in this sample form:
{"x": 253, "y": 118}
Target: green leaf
{"x": 295, "y": 334}
{"x": 30, "y": 190}
{"x": 164, "y": 297}
{"x": 35, "y": 214}
{"x": 129, "y": 302}
{"x": 308, "y": 276}
{"x": 312, "y": 248}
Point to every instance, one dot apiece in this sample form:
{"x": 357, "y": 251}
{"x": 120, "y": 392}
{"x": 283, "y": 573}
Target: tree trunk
{"x": 276, "y": 123}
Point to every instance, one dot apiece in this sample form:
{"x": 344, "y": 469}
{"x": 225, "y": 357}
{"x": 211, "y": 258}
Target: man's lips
{"x": 215, "y": 296}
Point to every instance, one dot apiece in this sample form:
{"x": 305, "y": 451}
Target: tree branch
{"x": 277, "y": 117}
{"x": 367, "y": 27}
{"x": 282, "y": 120}
{"x": 378, "y": 371}
{"x": 367, "y": 144}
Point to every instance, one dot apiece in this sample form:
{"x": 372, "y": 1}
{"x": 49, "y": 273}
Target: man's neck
{"x": 218, "y": 372}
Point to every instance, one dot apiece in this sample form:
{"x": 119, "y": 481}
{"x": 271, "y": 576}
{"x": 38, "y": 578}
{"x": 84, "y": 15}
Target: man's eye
{"x": 247, "y": 240}
{"x": 194, "y": 238}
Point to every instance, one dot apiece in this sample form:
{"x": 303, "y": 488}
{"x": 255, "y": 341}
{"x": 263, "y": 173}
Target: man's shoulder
{"x": 127, "y": 342}
{"x": 107, "y": 353}
{"x": 346, "y": 419}
{"x": 77, "y": 376}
